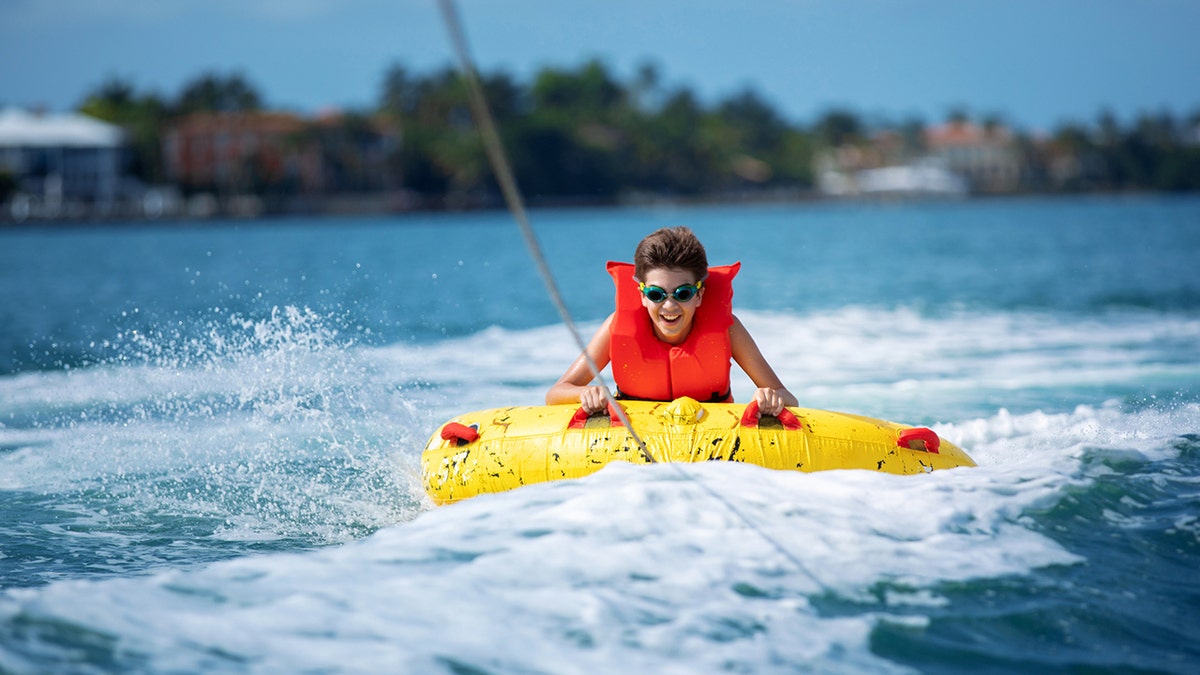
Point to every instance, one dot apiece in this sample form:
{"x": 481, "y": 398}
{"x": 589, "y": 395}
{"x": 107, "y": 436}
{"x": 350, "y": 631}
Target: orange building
{"x": 235, "y": 152}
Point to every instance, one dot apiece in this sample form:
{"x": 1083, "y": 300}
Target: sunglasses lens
{"x": 654, "y": 294}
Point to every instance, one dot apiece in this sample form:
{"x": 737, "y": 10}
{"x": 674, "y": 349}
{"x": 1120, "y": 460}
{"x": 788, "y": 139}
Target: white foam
{"x": 634, "y": 568}
{"x": 877, "y": 361}
{"x": 896, "y": 364}
{"x": 273, "y": 427}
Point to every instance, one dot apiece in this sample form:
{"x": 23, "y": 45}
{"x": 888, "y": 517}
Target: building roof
{"x": 256, "y": 121}
{"x": 19, "y": 128}
{"x": 966, "y": 133}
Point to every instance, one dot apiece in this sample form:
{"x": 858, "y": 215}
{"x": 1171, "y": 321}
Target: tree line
{"x": 581, "y": 133}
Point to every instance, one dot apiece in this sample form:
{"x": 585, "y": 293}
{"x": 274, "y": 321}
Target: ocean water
{"x": 210, "y": 437}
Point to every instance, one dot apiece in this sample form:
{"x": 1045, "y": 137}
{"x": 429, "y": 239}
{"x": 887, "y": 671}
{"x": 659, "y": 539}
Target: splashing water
{"x": 226, "y": 480}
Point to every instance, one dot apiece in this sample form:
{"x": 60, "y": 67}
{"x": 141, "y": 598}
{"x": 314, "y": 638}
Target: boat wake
{"x": 250, "y": 501}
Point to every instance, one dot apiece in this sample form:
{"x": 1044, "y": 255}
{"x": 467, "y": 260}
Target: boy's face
{"x": 672, "y": 320}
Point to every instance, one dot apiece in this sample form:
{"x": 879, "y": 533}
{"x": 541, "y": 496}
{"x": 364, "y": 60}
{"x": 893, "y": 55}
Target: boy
{"x": 660, "y": 340}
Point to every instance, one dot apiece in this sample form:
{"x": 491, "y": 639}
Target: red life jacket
{"x": 645, "y": 367}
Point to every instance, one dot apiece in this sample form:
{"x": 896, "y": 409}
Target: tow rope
{"x": 516, "y": 206}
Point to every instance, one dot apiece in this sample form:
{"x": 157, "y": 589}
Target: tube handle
{"x": 919, "y": 438}
{"x": 461, "y": 434}
{"x": 580, "y": 418}
{"x": 786, "y": 417}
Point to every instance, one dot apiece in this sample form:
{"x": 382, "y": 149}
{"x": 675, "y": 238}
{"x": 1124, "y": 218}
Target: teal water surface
{"x": 210, "y": 437}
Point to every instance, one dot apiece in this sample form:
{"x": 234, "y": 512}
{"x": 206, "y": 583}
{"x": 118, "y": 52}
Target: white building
{"x": 61, "y": 159}
{"x": 926, "y": 178}
{"x": 987, "y": 157}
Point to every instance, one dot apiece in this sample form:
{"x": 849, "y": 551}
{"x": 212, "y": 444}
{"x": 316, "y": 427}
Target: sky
{"x": 1036, "y": 64}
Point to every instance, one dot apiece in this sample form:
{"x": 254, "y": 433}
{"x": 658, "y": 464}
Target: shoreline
{"x": 252, "y": 208}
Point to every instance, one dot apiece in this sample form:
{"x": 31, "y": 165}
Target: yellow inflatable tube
{"x": 505, "y": 448}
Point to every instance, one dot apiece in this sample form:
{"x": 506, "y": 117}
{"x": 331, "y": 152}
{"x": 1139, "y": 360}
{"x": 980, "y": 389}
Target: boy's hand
{"x": 769, "y": 401}
{"x": 594, "y": 399}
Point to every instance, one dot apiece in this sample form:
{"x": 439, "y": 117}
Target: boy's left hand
{"x": 769, "y": 401}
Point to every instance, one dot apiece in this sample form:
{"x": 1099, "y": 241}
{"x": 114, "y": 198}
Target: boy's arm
{"x": 574, "y": 385}
{"x": 770, "y": 393}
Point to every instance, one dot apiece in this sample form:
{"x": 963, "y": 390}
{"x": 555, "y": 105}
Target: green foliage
{"x": 440, "y": 151}
{"x": 142, "y": 116}
{"x": 1155, "y": 154}
{"x": 838, "y": 127}
{"x": 582, "y": 133}
{"x": 145, "y": 116}
{"x": 588, "y": 92}
{"x": 8, "y": 186}
{"x": 213, "y": 93}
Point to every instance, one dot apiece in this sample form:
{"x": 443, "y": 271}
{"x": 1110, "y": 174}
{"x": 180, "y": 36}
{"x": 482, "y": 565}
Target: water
{"x": 210, "y": 438}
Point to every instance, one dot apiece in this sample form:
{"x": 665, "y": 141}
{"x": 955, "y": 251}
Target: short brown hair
{"x": 671, "y": 248}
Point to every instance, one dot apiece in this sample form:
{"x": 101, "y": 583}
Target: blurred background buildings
{"x": 576, "y": 137}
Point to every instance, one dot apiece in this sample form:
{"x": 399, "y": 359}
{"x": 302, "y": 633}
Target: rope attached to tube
{"x": 512, "y": 197}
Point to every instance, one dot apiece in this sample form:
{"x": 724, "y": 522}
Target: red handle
{"x": 580, "y": 418}
{"x": 909, "y": 438}
{"x": 460, "y": 433}
{"x": 786, "y": 417}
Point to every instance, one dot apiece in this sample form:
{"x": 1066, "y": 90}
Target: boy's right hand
{"x": 594, "y": 399}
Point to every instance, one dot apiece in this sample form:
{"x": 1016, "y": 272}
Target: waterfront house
{"x": 60, "y": 162}
{"x": 986, "y": 156}
{"x": 232, "y": 153}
